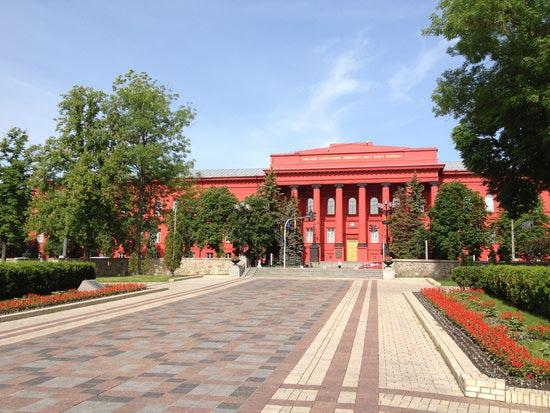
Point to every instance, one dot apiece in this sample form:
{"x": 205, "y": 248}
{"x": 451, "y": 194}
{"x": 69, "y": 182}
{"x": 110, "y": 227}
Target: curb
{"x": 470, "y": 380}
{"x": 177, "y": 279}
{"x": 69, "y": 306}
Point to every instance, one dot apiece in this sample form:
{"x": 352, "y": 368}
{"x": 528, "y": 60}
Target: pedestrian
{"x": 339, "y": 264}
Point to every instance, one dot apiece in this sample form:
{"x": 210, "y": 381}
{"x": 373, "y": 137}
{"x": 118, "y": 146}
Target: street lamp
{"x": 386, "y": 209}
{"x": 242, "y": 209}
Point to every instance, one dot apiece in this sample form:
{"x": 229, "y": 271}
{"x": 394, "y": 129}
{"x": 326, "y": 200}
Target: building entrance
{"x": 351, "y": 250}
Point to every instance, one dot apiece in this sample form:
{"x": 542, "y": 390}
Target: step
{"x": 315, "y": 272}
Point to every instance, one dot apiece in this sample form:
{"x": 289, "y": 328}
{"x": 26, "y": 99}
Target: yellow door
{"x": 351, "y": 250}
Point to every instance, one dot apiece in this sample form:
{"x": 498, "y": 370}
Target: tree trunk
{"x": 4, "y": 247}
{"x": 139, "y": 225}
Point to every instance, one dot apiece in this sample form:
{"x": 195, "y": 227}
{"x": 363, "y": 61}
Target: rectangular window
{"x": 40, "y": 238}
{"x": 157, "y": 238}
{"x": 309, "y": 235}
{"x": 330, "y": 235}
{"x": 373, "y": 234}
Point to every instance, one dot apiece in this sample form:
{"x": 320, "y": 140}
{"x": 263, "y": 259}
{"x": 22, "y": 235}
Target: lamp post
{"x": 242, "y": 209}
{"x": 387, "y": 209}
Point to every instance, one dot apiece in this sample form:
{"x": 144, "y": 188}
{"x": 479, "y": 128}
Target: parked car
{"x": 371, "y": 265}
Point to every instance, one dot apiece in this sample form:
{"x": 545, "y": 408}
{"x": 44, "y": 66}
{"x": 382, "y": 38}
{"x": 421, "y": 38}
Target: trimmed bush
{"x": 469, "y": 276}
{"x": 21, "y": 278}
{"x": 525, "y": 287}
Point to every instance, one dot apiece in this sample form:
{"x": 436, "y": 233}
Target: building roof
{"x": 227, "y": 173}
{"x": 454, "y": 166}
{"x": 259, "y": 172}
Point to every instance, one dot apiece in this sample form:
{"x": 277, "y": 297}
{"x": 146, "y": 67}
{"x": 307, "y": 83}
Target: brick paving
{"x": 261, "y": 345}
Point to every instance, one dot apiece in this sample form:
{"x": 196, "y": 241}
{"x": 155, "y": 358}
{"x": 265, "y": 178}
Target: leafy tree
{"x": 151, "y": 143}
{"x": 79, "y": 188}
{"x": 407, "y": 228}
{"x": 173, "y": 245}
{"x": 528, "y": 229}
{"x": 256, "y": 222}
{"x": 294, "y": 237}
{"x": 275, "y": 208}
{"x": 215, "y": 212}
{"x": 536, "y": 249}
{"x": 187, "y": 223}
{"x": 457, "y": 221}
{"x": 500, "y": 93}
{"x": 15, "y": 191}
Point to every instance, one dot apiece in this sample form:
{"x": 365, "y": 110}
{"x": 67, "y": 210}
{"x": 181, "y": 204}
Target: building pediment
{"x": 353, "y": 155}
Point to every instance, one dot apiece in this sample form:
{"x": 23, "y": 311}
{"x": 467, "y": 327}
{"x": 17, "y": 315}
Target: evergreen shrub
{"x": 20, "y": 278}
{"x": 526, "y": 287}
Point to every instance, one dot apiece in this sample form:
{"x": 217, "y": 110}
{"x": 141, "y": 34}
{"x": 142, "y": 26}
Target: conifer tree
{"x": 407, "y": 227}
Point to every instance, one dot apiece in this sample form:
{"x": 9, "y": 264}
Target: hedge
{"x": 20, "y": 278}
{"x": 525, "y": 287}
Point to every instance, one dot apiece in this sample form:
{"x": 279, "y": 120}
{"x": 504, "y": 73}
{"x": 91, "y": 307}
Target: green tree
{"x": 255, "y": 229}
{"x": 457, "y": 221}
{"x": 187, "y": 223}
{"x": 215, "y": 213}
{"x": 536, "y": 249}
{"x": 79, "y": 190}
{"x": 294, "y": 237}
{"x": 407, "y": 228}
{"x": 151, "y": 143}
{"x": 275, "y": 209}
{"x": 528, "y": 228}
{"x": 500, "y": 93}
{"x": 15, "y": 191}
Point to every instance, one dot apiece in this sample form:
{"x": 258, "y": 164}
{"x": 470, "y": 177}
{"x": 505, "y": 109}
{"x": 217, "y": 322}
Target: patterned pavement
{"x": 261, "y": 345}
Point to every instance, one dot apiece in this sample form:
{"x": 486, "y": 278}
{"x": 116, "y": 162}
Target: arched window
{"x": 330, "y": 206}
{"x": 352, "y": 206}
{"x": 489, "y": 203}
{"x": 374, "y": 206}
{"x": 310, "y": 205}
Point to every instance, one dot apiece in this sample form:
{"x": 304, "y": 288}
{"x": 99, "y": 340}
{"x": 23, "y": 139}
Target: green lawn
{"x": 135, "y": 279}
{"x": 446, "y": 282}
{"x": 536, "y": 347}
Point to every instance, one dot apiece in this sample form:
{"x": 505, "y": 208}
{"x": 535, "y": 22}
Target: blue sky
{"x": 264, "y": 76}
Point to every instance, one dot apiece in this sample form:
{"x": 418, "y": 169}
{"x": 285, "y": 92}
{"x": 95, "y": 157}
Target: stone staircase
{"x": 329, "y": 272}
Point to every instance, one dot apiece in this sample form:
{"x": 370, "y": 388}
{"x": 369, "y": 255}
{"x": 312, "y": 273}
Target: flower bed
{"x": 32, "y": 301}
{"x": 497, "y": 334}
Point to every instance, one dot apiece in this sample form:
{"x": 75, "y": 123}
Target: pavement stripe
{"x": 313, "y": 366}
{"x": 367, "y": 393}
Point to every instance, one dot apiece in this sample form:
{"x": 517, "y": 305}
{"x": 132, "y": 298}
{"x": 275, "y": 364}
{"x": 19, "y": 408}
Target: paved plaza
{"x": 235, "y": 345}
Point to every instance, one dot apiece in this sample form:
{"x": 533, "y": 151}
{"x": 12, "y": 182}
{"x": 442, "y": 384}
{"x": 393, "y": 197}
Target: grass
{"x": 135, "y": 279}
{"x": 446, "y": 282}
{"x": 534, "y": 346}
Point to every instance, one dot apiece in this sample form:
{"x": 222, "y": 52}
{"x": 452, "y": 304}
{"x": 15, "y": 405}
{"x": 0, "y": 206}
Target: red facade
{"x": 345, "y": 184}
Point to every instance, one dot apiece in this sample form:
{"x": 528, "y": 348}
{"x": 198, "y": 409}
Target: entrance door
{"x": 351, "y": 250}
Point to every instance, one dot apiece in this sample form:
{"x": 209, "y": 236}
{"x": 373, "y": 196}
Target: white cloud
{"x": 326, "y": 104}
{"x": 407, "y": 77}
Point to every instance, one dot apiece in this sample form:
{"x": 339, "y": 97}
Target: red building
{"x": 348, "y": 186}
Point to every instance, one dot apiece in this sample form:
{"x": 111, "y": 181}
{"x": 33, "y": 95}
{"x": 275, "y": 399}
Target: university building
{"x": 350, "y": 187}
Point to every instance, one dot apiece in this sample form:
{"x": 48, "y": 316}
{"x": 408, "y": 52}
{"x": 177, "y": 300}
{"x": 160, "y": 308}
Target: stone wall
{"x": 196, "y": 266}
{"x": 424, "y": 268}
{"x": 110, "y": 267}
